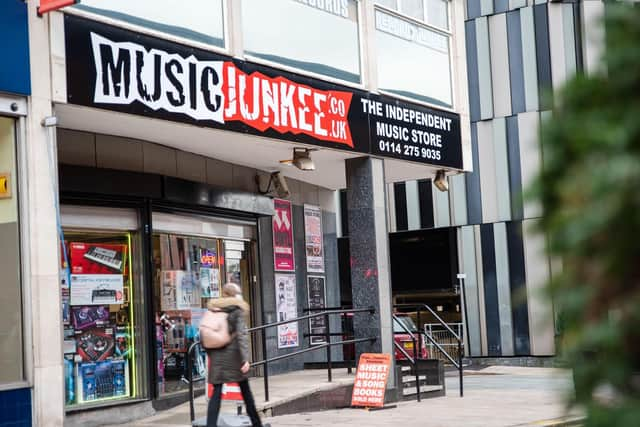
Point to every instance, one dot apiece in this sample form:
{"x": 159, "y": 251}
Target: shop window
{"x": 98, "y": 312}
{"x": 189, "y": 271}
{"x": 11, "y": 338}
{"x": 318, "y": 36}
{"x": 413, "y": 59}
{"x": 201, "y": 21}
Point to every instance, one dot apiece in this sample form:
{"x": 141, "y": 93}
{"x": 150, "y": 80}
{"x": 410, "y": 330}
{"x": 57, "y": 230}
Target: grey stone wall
{"x": 267, "y": 277}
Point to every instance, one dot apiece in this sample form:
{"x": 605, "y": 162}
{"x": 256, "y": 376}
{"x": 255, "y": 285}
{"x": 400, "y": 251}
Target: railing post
{"x": 192, "y": 411}
{"x": 460, "y": 365}
{"x": 265, "y": 369}
{"x": 328, "y": 342}
{"x": 351, "y": 334}
{"x": 415, "y": 366}
{"x": 419, "y": 333}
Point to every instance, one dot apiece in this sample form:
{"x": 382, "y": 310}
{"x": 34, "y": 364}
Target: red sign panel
{"x": 283, "y": 236}
{"x": 50, "y": 5}
{"x": 371, "y": 380}
{"x": 285, "y": 106}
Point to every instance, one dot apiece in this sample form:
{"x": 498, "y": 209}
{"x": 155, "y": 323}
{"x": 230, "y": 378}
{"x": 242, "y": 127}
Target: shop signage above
{"x": 115, "y": 69}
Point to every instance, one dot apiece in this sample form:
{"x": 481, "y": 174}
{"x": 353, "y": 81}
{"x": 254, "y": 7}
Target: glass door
{"x": 239, "y": 270}
{"x": 194, "y": 256}
{"x": 188, "y": 273}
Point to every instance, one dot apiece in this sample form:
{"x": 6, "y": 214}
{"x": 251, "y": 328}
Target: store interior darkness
{"x": 424, "y": 266}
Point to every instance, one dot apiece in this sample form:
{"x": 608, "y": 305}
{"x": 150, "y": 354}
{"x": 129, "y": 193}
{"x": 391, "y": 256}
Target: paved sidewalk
{"x": 494, "y": 397}
{"x": 282, "y": 388}
{"x": 497, "y": 396}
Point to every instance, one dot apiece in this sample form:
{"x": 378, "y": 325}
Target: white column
{"x": 41, "y": 245}
{"x": 592, "y": 34}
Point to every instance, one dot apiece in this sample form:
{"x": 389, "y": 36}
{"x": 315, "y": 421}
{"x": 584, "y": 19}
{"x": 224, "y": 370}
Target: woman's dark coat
{"x": 225, "y": 363}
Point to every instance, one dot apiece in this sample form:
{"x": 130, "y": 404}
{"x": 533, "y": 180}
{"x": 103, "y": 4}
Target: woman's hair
{"x": 231, "y": 290}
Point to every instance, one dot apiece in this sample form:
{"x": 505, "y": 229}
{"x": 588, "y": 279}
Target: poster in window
{"x": 206, "y": 283}
{"x": 313, "y": 239}
{"x": 96, "y": 289}
{"x": 179, "y": 290}
{"x": 287, "y": 308}
{"x": 317, "y": 295}
{"x": 283, "y": 236}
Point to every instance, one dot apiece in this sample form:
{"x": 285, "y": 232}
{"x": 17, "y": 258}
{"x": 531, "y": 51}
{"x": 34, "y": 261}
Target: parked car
{"x": 399, "y": 335}
{"x": 403, "y": 339}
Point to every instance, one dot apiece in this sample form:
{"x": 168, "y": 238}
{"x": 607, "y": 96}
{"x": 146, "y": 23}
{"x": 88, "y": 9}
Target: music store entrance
{"x": 171, "y": 184}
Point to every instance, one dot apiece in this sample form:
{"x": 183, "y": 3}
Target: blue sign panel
{"x": 14, "y": 48}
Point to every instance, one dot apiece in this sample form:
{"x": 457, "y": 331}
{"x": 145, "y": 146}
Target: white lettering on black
{"x": 126, "y": 72}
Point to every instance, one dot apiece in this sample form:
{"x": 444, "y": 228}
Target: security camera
{"x": 277, "y": 186}
{"x": 280, "y": 185}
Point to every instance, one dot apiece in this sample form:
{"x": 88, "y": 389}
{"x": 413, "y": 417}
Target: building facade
{"x": 152, "y": 173}
{"x": 517, "y": 54}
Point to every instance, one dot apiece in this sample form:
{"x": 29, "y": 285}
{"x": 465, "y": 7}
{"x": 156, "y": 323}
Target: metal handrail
{"x": 192, "y": 411}
{"x": 404, "y": 352}
{"x": 371, "y": 310}
{"x": 433, "y": 313}
{"x": 264, "y": 363}
{"x": 306, "y": 350}
{"x": 439, "y": 347}
{"x": 419, "y": 308}
{"x": 413, "y": 361}
{"x": 193, "y": 346}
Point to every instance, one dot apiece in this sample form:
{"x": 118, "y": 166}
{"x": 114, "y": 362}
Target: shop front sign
{"x": 115, "y": 69}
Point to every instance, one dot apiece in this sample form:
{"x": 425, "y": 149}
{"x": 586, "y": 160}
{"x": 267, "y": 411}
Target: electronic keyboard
{"x": 107, "y": 257}
{"x": 103, "y": 296}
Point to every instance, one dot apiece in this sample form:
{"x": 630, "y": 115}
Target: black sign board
{"x": 119, "y": 70}
{"x": 317, "y": 300}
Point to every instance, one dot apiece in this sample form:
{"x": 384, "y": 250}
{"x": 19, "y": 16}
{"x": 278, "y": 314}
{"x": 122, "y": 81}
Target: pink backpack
{"x": 214, "y": 330}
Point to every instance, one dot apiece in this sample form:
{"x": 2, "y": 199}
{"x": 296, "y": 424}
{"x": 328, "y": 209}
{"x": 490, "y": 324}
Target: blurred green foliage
{"x": 590, "y": 194}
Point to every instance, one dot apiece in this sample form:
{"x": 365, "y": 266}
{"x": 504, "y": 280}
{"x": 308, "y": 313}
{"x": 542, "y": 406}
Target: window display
{"x": 97, "y": 289}
{"x": 188, "y": 274}
{"x": 189, "y": 271}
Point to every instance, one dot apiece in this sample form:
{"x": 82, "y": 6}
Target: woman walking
{"x": 230, "y": 364}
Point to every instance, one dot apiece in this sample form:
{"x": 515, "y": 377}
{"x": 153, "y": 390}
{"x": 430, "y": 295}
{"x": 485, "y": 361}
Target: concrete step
{"x": 411, "y": 384}
{"x": 426, "y": 392}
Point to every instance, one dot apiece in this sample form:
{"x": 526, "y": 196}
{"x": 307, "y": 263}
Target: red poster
{"x": 371, "y": 380}
{"x": 97, "y": 258}
{"x": 283, "y": 236}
